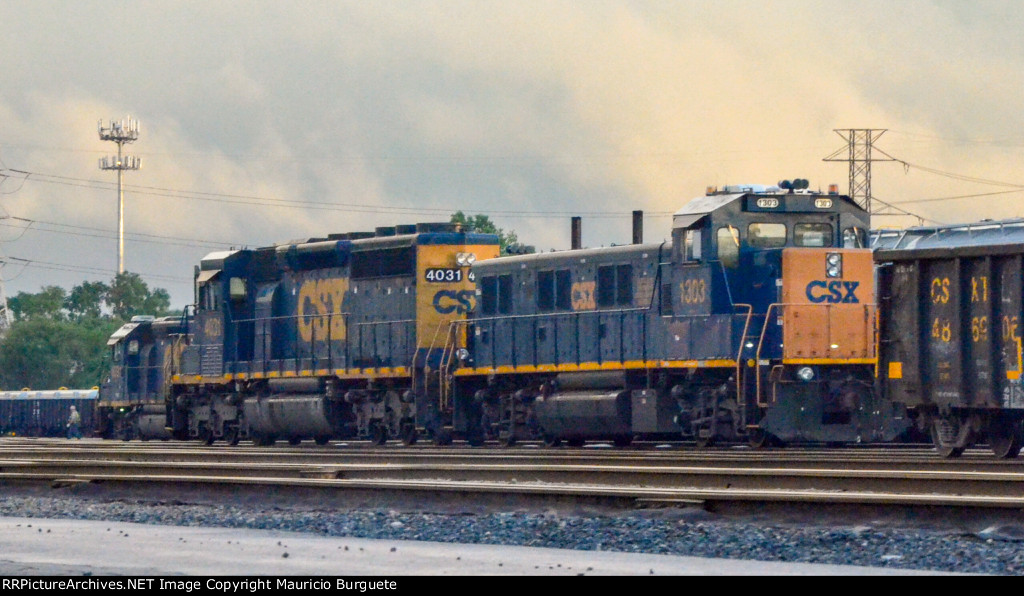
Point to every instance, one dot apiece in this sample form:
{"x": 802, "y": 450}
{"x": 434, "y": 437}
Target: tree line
{"x": 58, "y": 338}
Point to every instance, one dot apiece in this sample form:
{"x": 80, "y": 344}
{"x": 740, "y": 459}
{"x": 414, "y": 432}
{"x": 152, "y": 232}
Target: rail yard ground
{"x": 186, "y": 531}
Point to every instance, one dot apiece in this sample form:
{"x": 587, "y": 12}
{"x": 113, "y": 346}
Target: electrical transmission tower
{"x": 859, "y": 142}
{"x": 120, "y": 133}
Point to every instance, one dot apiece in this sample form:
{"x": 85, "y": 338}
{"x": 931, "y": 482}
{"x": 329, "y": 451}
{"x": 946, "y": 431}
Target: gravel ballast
{"x": 993, "y": 548}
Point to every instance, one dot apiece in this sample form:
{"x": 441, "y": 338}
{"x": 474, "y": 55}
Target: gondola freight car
{"x": 950, "y": 332}
{"x": 29, "y": 413}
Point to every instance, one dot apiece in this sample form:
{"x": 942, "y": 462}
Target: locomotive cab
{"x": 132, "y": 402}
{"x": 781, "y": 276}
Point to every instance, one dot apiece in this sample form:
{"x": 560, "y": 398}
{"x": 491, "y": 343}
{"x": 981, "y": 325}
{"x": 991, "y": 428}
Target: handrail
{"x": 740, "y": 401}
{"x": 828, "y": 331}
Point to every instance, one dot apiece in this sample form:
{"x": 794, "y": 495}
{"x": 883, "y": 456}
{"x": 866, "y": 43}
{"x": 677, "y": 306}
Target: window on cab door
{"x": 691, "y": 249}
{"x": 729, "y": 246}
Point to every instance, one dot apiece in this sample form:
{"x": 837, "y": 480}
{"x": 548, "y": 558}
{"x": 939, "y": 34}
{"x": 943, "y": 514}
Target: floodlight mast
{"x": 120, "y": 132}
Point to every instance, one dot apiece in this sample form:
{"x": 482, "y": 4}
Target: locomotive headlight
{"x": 462, "y": 354}
{"x": 834, "y": 264}
{"x": 465, "y": 259}
{"x": 805, "y": 374}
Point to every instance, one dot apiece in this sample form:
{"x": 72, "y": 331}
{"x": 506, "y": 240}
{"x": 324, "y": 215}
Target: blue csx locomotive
{"x": 756, "y": 322}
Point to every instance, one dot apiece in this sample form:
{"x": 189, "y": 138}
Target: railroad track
{"x": 914, "y": 477}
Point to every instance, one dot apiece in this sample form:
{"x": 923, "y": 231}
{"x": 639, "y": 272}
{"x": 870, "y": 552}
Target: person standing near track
{"x": 74, "y": 424}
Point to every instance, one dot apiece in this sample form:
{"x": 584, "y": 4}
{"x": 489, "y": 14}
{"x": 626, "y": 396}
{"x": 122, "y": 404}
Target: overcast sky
{"x": 265, "y": 121}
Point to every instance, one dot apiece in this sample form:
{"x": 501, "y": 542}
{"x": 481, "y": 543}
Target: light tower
{"x": 120, "y": 133}
{"x": 6, "y": 318}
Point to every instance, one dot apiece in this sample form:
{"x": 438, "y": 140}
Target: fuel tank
{"x": 585, "y": 414}
{"x": 153, "y": 423}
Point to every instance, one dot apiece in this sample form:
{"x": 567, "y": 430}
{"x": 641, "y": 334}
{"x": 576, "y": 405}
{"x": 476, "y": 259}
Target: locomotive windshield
{"x": 812, "y": 234}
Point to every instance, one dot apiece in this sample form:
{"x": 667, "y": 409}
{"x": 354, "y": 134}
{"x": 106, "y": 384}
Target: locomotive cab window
{"x": 766, "y": 235}
{"x": 615, "y": 285}
{"x": 729, "y": 246}
{"x": 854, "y": 238}
{"x": 812, "y": 234}
{"x": 209, "y": 296}
{"x": 692, "y": 245}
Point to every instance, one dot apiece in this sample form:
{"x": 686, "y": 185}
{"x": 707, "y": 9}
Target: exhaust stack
{"x": 638, "y": 227}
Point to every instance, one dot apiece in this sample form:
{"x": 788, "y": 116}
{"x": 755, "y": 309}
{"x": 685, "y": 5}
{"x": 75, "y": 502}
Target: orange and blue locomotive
{"x": 334, "y": 337}
{"x": 757, "y": 322}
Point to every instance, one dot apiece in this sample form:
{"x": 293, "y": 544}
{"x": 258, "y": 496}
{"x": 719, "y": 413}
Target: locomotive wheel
{"x": 704, "y": 442}
{"x": 378, "y": 434}
{"x": 575, "y": 441}
{"x": 294, "y": 440}
{"x": 1004, "y": 437}
{"x": 409, "y": 435}
{"x": 321, "y": 439}
{"x": 758, "y": 438}
{"x": 552, "y": 441}
{"x": 507, "y": 439}
{"x": 623, "y": 440}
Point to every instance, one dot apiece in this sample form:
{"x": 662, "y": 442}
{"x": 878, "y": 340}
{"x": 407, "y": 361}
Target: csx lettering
{"x": 979, "y": 289}
{"x": 320, "y": 309}
{"x": 940, "y": 290}
{"x": 583, "y": 295}
{"x": 833, "y": 292}
{"x": 457, "y": 301}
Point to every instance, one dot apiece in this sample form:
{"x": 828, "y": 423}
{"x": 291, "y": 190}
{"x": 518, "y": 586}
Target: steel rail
{"x": 533, "y": 473}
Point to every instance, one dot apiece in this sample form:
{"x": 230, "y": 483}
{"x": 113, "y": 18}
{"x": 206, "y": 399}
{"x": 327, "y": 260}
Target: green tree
{"x": 482, "y": 223}
{"x": 44, "y": 353}
{"x": 86, "y": 300}
{"x": 128, "y": 296}
{"x": 58, "y": 339}
{"x": 48, "y": 303}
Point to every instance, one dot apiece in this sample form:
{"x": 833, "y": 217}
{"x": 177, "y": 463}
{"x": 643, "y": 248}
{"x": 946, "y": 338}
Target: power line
{"x": 104, "y": 233}
{"x": 318, "y": 205}
{"x": 86, "y": 269}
